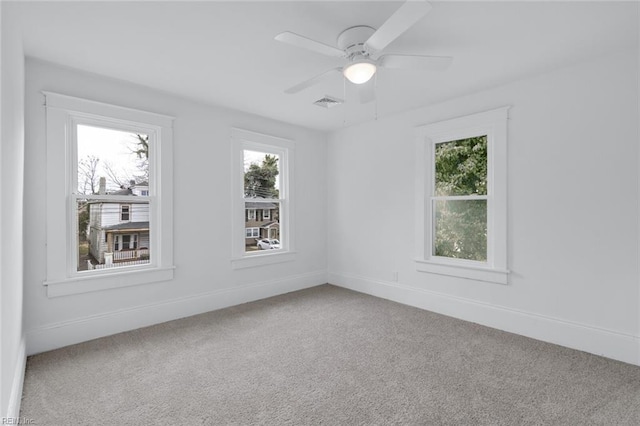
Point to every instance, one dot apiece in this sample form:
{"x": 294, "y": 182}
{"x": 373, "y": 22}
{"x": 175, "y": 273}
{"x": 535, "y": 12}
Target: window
{"x": 252, "y": 232}
{"x": 262, "y": 170}
{"x": 124, "y": 213}
{"x": 97, "y": 155}
{"x": 126, "y": 242}
{"x": 461, "y": 197}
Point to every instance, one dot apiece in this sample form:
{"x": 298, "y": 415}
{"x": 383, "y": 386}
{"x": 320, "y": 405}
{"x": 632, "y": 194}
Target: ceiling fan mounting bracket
{"x": 352, "y": 40}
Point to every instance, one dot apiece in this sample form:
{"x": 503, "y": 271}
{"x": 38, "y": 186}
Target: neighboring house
{"x": 120, "y": 228}
{"x": 141, "y": 189}
{"x": 261, "y": 221}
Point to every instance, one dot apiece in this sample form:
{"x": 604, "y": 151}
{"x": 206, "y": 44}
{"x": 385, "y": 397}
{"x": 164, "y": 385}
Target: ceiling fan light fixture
{"x": 360, "y": 71}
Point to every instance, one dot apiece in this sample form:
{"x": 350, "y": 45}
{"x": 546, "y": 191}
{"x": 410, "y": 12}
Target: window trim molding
{"x": 242, "y": 139}
{"x": 494, "y": 124}
{"x": 63, "y": 113}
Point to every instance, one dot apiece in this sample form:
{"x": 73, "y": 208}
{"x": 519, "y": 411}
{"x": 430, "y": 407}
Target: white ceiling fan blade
{"x": 314, "y": 80}
{"x": 367, "y": 91}
{"x": 405, "y": 17}
{"x": 306, "y": 43}
{"x": 430, "y": 63}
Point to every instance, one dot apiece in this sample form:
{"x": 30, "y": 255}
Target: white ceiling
{"x": 223, "y": 53}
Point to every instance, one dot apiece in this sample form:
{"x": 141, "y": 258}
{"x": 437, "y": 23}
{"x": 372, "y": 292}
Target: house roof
{"x": 127, "y": 226}
{"x": 250, "y": 205}
{"x": 124, "y": 191}
{"x": 270, "y": 225}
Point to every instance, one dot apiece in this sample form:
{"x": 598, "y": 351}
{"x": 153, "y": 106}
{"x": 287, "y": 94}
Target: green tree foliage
{"x": 461, "y": 225}
{"x": 461, "y": 167}
{"x": 260, "y": 179}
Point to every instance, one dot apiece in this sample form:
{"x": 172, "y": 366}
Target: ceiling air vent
{"x": 328, "y": 102}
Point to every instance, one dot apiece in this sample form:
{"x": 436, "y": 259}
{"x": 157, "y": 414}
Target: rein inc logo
{"x": 18, "y": 421}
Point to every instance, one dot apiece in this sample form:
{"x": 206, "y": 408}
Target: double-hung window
{"x": 125, "y": 212}
{"x": 113, "y": 234}
{"x": 252, "y": 232}
{"x": 262, "y": 189}
{"x": 461, "y": 215}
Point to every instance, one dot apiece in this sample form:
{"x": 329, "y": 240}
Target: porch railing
{"x": 130, "y": 254}
{"x": 91, "y": 266}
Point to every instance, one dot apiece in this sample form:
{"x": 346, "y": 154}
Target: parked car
{"x": 267, "y": 244}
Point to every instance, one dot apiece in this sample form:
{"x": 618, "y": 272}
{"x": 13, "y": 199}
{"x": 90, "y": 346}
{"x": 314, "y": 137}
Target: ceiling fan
{"x": 361, "y": 47}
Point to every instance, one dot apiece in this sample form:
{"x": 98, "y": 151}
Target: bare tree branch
{"x": 88, "y": 175}
{"x": 114, "y": 176}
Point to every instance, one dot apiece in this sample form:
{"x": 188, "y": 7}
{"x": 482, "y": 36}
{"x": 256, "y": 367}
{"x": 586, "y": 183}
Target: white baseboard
{"x": 607, "y": 343}
{"x": 13, "y": 411}
{"x": 53, "y": 336}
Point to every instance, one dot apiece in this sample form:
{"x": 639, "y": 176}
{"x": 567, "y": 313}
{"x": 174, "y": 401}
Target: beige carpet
{"x": 326, "y": 356}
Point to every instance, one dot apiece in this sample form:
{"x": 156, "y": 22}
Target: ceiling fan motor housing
{"x": 352, "y": 41}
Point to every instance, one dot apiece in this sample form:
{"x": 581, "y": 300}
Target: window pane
{"x": 262, "y": 226}
{"x": 112, "y": 161}
{"x": 461, "y": 229}
{"x": 461, "y": 167}
{"x": 261, "y": 172}
{"x": 106, "y": 241}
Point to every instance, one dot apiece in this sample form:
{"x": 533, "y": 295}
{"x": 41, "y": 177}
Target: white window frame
{"x": 493, "y": 124}
{"x": 128, "y": 206}
{"x": 251, "y": 214}
{"x": 63, "y": 115}
{"x": 118, "y": 240}
{"x": 252, "y": 228}
{"x": 266, "y": 216}
{"x": 242, "y": 140}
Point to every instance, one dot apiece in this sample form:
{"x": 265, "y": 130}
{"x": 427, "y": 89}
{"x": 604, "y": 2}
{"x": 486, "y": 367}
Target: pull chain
{"x": 375, "y": 95}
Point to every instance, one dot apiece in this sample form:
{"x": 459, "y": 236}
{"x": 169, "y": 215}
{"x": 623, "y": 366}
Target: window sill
{"x": 262, "y": 259}
{"x": 106, "y": 281}
{"x": 478, "y": 273}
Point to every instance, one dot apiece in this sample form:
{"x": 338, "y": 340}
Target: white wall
{"x": 12, "y": 358}
{"x": 573, "y": 209}
{"x": 203, "y": 279}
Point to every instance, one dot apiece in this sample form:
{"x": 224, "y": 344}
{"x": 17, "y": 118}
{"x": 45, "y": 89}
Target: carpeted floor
{"x": 326, "y": 356}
